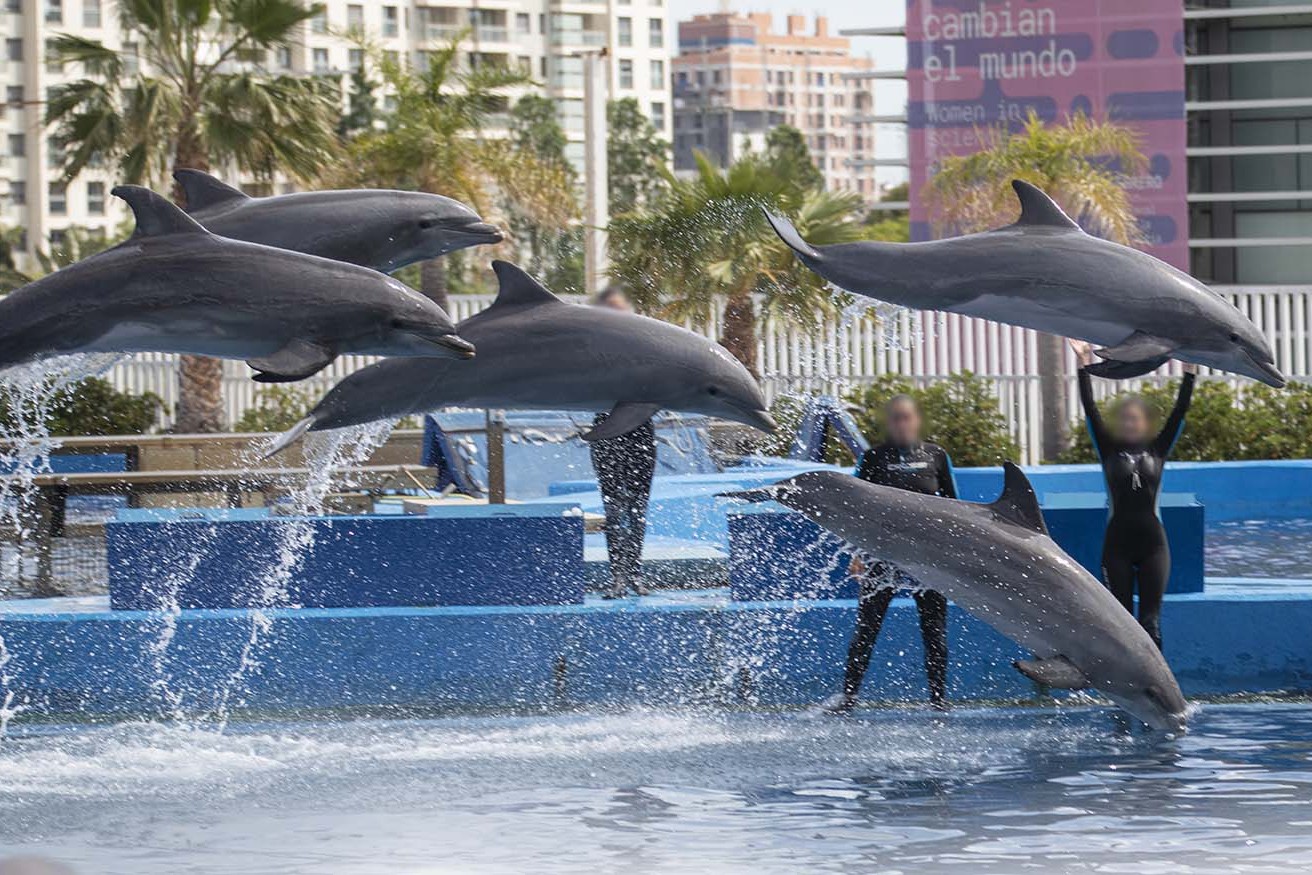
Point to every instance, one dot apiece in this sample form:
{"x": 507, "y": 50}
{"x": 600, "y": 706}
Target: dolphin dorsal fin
{"x": 1037, "y": 209}
{"x": 156, "y": 216}
{"x": 1018, "y": 503}
{"x": 204, "y": 191}
{"x": 517, "y": 288}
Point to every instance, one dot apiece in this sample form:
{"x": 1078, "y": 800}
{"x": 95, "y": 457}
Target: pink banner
{"x": 976, "y": 64}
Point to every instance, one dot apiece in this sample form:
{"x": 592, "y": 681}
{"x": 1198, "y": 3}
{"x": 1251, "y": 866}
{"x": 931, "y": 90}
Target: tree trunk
{"x": 432, "y": 281}
{"x": 200, "y": 379}
{"x": 1054, "y": 391}
{"x": 739, "y": 335}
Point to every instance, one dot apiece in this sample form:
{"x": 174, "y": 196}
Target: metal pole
{"x": 496, "y": 457}
{"x": 596, "y": 188}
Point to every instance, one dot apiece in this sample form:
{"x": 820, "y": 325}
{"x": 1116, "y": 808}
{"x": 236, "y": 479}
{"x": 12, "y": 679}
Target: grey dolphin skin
{"x": 175, "y": 287}
{"x": 998, "y": 562}
{"x": 1045, "y": 273}
{"x": 384, "y": 230}
{"x": 536, "y": 352}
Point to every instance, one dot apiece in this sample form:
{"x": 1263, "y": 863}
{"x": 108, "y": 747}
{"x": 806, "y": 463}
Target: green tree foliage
{"x": 891, "y": 226}
{"x": 786, "y": 148}
{"x": 361, "y": 104}
{"x": 277, "y": 408}
{"x": 94, "y": 407}
{"x": 637, "y": 157}
{"x": 1264, "y": 423}
{"x": 706, "y": 242}
{"x": 960, "y": 413}
{"x": 555, "y": 251}
{"x": 434, "y": 141}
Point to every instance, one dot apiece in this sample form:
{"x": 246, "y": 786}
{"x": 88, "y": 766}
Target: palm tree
{"x": 1081, "y": 165}
{"x": 706, "y": 241}
{"x": 434, "y": 141}
{"x": 196, "y": 93}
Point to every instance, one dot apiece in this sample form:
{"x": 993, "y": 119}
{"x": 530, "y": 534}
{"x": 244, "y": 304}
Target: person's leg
{"x": 641, "y": 473}
{"x": 1154, "y": 573}
{"x": 1118, "y": 570}
{"x": 933, "y": 609}
{"x": 870, "y": 612}
{"x": 610, "y": 484}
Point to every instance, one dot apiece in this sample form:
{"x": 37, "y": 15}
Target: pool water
{"x": 978, "y": 791}
{"x": 1260, "y": 548}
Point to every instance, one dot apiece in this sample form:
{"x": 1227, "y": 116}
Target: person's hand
{"x": 1083, "y": 351}
{"x": 856, "y": 568}
{"x": 1190, "y": 367}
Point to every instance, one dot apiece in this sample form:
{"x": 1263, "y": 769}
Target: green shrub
{"x": 277, "y": 408}
{"x": 94, "y": 407}
{"x": 1271, "y": 424}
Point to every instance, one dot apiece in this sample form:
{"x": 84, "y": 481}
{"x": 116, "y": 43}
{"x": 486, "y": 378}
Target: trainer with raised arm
{"x": 1135, "y": 549}
{"x": 903, "y": 461}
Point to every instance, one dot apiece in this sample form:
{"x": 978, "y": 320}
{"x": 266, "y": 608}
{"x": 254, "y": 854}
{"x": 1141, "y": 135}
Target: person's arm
{"x": 1170, "y": 432}
{"x": 865, "y": 469}
{"x": 947, "y": 478}
{"x": 1092, "y": 417}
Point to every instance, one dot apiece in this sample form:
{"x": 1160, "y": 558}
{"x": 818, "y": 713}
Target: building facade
{"x": 735, "y": 78}
{"x": 545, "y": 38}
{"x": 1249, "y": 106}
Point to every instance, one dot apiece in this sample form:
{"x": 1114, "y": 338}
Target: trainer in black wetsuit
{"x": 905, "y": 462}
{"x": 1135, "y": 547}
{"x": 625, "y": 466}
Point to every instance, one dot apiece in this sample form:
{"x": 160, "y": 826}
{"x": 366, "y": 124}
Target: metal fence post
{"x": 496, "y": 457}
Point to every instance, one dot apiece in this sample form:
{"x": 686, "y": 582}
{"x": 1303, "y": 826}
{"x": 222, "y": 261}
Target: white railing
{"x": 834, "y": 355}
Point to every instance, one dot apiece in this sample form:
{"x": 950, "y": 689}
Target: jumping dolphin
{"x": 175, "y": 287}
{"x": 1043, "y": 272}
{"x": 998, "y": 562}
{"x": 536, "y": 352}
{"x": 384, "y": 230}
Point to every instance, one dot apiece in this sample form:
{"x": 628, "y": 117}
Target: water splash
{"x": 8, "y": 709}
{"x": 326, "y": 455}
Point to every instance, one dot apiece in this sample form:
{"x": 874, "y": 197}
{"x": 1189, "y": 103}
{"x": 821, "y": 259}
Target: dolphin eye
{"x": 712, "y": 390}
{"x": 426, "y": 224}
{"x": 1234, "y": 336}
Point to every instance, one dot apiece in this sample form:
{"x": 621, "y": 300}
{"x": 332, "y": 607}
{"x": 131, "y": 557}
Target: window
{"x": 54, "y": 11}
{"x": 321, "y": 60}
{"x": 523, "y": 22}
{"x": 355, "y": 17}
{"x": 393, "y": 58}
{"x": 96, "y": 198}
{"x": 14, "y": 49}
{"x": 15, "y": 6}
{"x": 626, "y": 73}
{"x": 14, "y": 95}
{"x": 656, "y": 28}
{"x": 17, "y": 192}
{"x": 625, "y": 31}
{"x": 58, "y": 199}
{"x": 657, "y": 74}
{"x": 356, "y": 60}
{"x": 658, "y": 114}
{"x": 17, "y": 145}
{"x": 319, "y": 21}
{"x": 58, "y": 238}
{"x": 390, "y": 25}
{"x": 91, "y": 13}
{"x": 525, "y": 64}
{"x": 284, "y": 56}
{"x": 131, "y": 60}
{"x": 54, "y": 154}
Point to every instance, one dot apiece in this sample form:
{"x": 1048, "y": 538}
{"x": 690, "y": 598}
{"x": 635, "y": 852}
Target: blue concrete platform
{"x": 77, "y": 656}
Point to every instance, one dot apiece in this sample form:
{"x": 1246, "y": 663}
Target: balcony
{"x": 491, "y": 34}
{"x": 578, "y": 37}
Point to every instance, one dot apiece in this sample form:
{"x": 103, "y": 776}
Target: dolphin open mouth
{"x": 1270, "y": 374}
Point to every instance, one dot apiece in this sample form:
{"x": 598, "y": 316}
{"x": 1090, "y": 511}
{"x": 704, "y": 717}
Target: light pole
{"x": 596, "y": 185}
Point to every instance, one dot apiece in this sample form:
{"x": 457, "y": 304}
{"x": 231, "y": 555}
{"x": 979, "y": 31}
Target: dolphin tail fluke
{"x": 289, "y": 437}
{"x": 788, "y": 233}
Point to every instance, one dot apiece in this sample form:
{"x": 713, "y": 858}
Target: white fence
{"x": 836, "y": 354}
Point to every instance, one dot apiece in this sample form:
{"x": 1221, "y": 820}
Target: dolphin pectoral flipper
{"x": 1056, "y": 672}
{"x": 204, "y": 191}
{"x": 624, "y": 418}
{"x": 297, "y": 360}
{"x": 1117, "y": 370}
{"x": 788, "y": 233}
{"x": 1139, "y": 346}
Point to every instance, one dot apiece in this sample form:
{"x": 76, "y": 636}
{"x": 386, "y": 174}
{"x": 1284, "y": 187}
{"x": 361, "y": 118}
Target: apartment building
{"x": 546, "y": 38}
{"x": 735, "y": 78}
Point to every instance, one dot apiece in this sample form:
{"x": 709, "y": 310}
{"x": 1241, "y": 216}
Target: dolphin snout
{"x": 453, "y": 346}
{"x": 1266, "y": 371}
{"x": 480, "y": 232}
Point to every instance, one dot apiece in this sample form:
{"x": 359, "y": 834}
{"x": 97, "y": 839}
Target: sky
{"x": 889, "y": 52}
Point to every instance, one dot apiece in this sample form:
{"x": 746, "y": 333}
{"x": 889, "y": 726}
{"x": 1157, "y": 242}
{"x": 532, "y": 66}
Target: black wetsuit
{"x": 925, "y": 468}
{"x": 1135, "y": 545}
{"x": 625, "y": 466}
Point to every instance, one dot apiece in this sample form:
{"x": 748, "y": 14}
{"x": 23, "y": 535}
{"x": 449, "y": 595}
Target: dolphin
{"x": 536, "y": 352}
{"x": 1043, "y": 272}
{"x": 998, "y": 562}
{"x": 383, "y": 230}
{"x": 175, "y": 287}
